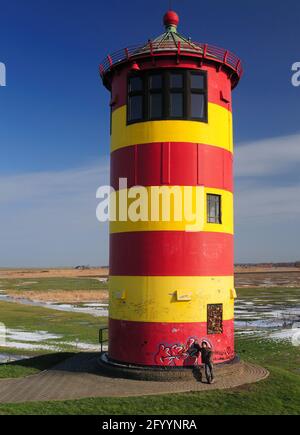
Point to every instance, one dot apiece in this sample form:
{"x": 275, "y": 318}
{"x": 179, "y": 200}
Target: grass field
{"x": 51, "y": 284}
{"x": 55, "y": 289}
{"x": 271, "y": 295}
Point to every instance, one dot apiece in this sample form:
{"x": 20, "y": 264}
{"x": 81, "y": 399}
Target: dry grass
{"x": 104, "y": 271}
{"x": 52, "y": 273}
{"x": 257, "y": 269}
{"x": 62, "y": 296}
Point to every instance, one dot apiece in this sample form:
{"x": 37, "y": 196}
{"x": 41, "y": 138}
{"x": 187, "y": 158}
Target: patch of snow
{"x": 260, "y": 324}
{"x": 81, "y": 345}
{"x": 6, "y": 357}
{"x": 25, "y": 336}
{"x": 285, "y": 334}
{"x": 245, "y": 332}
{"x": 31, "y": 346}
{"x": 95, "y": 305}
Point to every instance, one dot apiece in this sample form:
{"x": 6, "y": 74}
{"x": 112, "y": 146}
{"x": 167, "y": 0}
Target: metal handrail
{"x": 101, "y": 339}
{"x": 151, "y": 48}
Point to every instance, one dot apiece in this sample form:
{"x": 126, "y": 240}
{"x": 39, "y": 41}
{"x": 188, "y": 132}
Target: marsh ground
{"x": 267, "y": 322}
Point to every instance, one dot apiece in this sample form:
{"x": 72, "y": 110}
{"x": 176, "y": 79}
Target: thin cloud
{"x": 271, "y": 203}
{"x": 268, "y": 157}
{"x": 49, "y": 218}
{"x": 44, "y": 186}
{"x": 267, "y": 200}
{"x": 259, "y": 167}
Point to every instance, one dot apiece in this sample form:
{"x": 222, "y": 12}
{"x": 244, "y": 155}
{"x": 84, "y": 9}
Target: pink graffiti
{"x": 176, "y": 355}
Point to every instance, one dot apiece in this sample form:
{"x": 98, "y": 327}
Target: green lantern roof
{"x": 172, "y": 43}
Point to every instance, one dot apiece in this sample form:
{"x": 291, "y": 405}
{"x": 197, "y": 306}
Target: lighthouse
{"x": 171, "y": 127}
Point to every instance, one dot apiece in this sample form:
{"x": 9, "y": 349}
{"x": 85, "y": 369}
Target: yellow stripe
{"x": 217, "y": 132}
{"x": 150, "y": 212}
{"x": 155, "y": 299}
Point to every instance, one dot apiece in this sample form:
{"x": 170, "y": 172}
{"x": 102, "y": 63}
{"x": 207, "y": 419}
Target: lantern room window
{"x": 135, "y": 84}
{"x": 214, "y": 209}
{"x": 136, "y": 99}
{"x": 155, "y": 96}
{"x": 166, "y": 95}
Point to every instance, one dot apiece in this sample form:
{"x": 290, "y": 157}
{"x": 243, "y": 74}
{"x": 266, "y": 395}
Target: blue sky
{"x": 54, "y": 135}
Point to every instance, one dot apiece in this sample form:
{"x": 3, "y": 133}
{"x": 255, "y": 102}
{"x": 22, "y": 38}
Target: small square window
{"x": 135, "y": 107}
{"x": 135, "y": 84}
{"x": 214, "y": 319}
{"x": 214, "y": 211}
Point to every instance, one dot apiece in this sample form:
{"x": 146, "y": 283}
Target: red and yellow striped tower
{"x": 171, "y": 126}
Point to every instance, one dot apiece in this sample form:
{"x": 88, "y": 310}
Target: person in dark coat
{"x": 206, "y": 357}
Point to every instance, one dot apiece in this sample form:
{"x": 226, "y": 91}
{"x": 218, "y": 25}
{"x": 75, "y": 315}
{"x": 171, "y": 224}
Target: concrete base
{"x": 82, "y": 377}
{"x": 159, "y": 374}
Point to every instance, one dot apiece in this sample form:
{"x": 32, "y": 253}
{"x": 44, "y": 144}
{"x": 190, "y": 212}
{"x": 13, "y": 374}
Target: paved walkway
{"x": 80, "y": 377}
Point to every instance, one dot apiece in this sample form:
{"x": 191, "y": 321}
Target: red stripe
{"x": 171, "y": 253}
{"x": 165, "y": 344}
{"x": 165, "y": 162}
{"x": 219, "y": 84}
{"x": 175, "y": 163}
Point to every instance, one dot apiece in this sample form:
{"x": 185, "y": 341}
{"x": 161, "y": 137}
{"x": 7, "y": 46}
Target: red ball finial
{"x": 171, "y": 19}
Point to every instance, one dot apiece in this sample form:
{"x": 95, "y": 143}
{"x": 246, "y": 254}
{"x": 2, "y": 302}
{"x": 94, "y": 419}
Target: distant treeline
{"x": 269, "y": 265}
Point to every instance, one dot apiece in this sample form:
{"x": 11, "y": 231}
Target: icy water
{"x": 39, "y": 341}
{"x": 268, "y": 313}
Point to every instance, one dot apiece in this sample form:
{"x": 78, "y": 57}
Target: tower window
{"x": 135, "y": 84}
{"x": 176, "y": 105}
{"x": 176, "y": 80}
{"x": 197, "y": 82}
{"x": 155, "y": 106}
{"x": 197, "y": 106}
{"x": 198, "y": 96}
{"x": 136, "y": 108}
{"x": 136, "y": 99}
{"x": 215, "y": 319}
{"x": 167, "y": 94}
{"x": 155, "y": 96}
{"x": 214, "y": 209}
{"x": 155, "y": 81}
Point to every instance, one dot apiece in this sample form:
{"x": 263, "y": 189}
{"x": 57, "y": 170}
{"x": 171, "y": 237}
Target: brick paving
{"x": 81, "y": 377}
